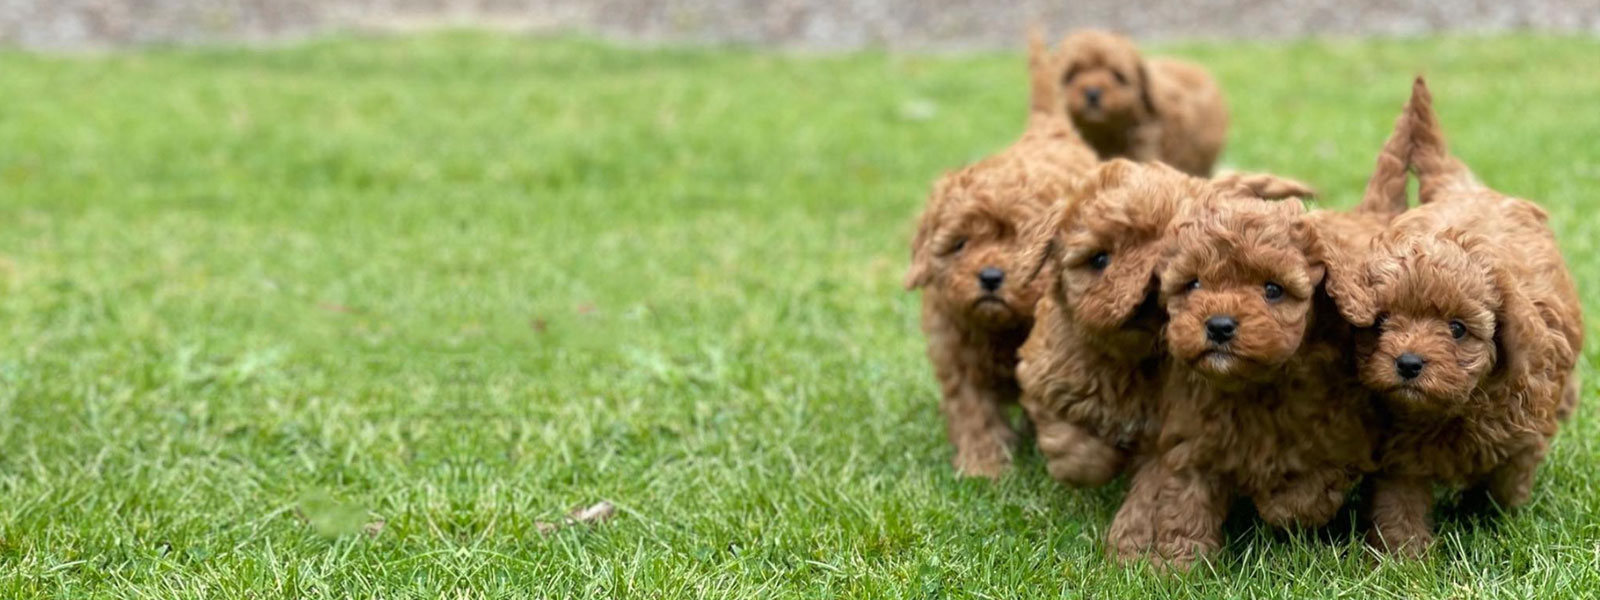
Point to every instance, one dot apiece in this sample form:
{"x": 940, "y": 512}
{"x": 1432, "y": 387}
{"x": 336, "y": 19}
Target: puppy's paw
{"x": 1181, "y": 553}
{"x": 1408, "y": 541}
{"x": 1075, "y": 457}
{"x": 984, "y": 456}
{"x": 1130, "y": 538}
{"x": 1295, "y": 508}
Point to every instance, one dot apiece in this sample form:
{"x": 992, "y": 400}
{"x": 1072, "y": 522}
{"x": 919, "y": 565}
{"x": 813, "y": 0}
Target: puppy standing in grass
{"x": 1125, "y": 106}
{"x": 1260, "y": 399}
{"x": 1091, "y": 372}
{"x": 978, "y": 302}
{"x": 1476, "y": 333}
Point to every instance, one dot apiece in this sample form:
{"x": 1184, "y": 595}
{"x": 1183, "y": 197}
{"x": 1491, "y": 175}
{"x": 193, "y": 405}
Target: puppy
{"x": 1091, "y": 370}
{"x": 1259, "y": 398}
{"x": 978, "y": 303}
{"x": 1126, "y": 106}
{"x": 1475, "y": 329}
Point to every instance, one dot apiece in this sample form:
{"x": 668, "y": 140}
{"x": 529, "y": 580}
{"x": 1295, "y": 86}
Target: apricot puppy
{"x": 1091, "y": 372}
{"x": 1259, "y": 399}
{"x": 967, "y": 257}
{"x": 1475, "y": 332}
{"x": 1126, "y": 106}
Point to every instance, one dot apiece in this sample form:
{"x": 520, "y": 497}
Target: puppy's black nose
{"x": 990, "y": 278}
{"x": 1409, "y": 365}
{"x": 1220, "y": 328}
{"x": 1092, "y": 96}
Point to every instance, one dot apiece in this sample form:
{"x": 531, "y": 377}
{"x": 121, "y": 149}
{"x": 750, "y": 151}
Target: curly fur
{"x": 1479, "y": 411}
{"x": 1146, "y": 110}
{"x": 1274, "y": 414}
{"x": 1091, "y": 372}
{"x": 973, "y": 221}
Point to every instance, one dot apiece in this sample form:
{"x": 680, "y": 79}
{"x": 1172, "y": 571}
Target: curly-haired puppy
{"x": 1126, "y": 106}
{"x": 977, "y": 303}
{"x": 1475, "y": 330}
{"x": 1091, "y": 370}
{"x": 1259, "y": 399}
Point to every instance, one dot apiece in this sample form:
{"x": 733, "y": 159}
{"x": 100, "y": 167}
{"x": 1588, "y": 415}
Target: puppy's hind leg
{"x": 1511, "y": 484}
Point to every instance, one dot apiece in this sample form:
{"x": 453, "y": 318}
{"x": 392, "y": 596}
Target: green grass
{"x": 255, "y": 299}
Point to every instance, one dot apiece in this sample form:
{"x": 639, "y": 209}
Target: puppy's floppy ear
{"x": 1039, "y": 238}
{"x": 1042, "y": 233}
{"x": 1144, "y": 90}
{"x": 1528, "y": 349}
{"x": 920, "y": 272}
{"x": 1342, "y": 271}
{"x": 1264, "y": 186}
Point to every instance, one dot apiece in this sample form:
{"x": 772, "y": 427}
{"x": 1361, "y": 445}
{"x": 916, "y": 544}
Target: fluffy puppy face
{"x": 967, "y": 255}
{"x": 1104, "y": 80}
{"x": 1238, "y": 286}
{"x": 1106, "y": 245}
{"x": 1438, "y": 314}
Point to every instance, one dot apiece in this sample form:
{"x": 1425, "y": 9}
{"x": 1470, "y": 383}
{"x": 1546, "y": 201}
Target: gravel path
{"x": 68, "y": 24}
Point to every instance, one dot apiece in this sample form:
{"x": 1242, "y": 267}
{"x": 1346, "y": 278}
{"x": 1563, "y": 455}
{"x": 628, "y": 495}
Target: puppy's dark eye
{"x": 1071, "y": 74}
{"x": 1121, "y": 79}
{"x": 1273, "y": 291}
{"x": 956, "y": 247}
{"x": 1193, "y": 285}
{"x": 1100, "y": 261}
{"x": 1379, "y": 320}
{"x": 1457, "y": 330}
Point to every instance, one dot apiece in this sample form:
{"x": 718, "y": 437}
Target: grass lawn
{"x": 350, "y": 318}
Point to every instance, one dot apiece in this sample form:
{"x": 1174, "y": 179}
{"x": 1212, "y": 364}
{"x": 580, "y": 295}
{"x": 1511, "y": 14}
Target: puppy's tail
{"x": 1437, "y": 171}
{"x": 1386, "y": 189}
{"x": 1043, "y": 93}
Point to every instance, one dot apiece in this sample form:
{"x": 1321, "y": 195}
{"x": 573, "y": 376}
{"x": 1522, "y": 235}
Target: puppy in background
{"x": 1475, "y": 330}
{"x": 1126, "y": 106}
{"x": 978, "y": 299}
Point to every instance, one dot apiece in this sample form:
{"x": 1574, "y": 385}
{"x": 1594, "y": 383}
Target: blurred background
{"x": 823, "y": 24}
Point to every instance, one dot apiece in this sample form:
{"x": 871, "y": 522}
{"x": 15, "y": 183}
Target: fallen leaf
{"x": 600, "y": 512}
{"x": 540, "y": 326}
{"x": 545, "y": 528}
{"x": 586, "y": 309}
{"x": 374, "y": 528}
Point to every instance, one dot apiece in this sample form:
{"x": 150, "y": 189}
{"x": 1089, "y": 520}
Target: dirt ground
{"x": 827, "y": 24}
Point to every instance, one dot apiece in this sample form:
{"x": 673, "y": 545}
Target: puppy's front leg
{"x": 1189, "y": 516}
{"x": 1133, "y": 530}
{"x": 975, "y": 419}
{"x": 1074, "y": 456}
{"x": 1401, "y": 509}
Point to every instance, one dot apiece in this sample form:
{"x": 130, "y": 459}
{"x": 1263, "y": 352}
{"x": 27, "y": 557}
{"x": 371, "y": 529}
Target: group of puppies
{"x": 1215, "y": 340}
